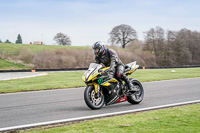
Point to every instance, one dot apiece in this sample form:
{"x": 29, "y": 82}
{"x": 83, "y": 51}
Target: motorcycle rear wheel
{"x": 90, "y": 99}
{"x": 137, "y": 96}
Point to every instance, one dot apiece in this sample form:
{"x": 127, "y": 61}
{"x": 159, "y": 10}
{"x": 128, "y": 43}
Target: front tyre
{"x": 137, "y": 96}
{"x": 90, "y": 99}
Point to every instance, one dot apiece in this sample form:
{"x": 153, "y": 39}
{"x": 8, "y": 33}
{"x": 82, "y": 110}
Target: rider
{"x": 110, "y": 59}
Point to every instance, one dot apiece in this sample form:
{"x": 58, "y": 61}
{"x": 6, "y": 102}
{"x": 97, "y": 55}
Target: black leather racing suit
{"x": 111, "y": 59}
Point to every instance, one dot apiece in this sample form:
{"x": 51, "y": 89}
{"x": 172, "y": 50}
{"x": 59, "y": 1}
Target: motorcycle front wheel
{"x": 91, "y": 100}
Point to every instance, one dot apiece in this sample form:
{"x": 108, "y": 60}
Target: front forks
{"x": 97, "y": 90}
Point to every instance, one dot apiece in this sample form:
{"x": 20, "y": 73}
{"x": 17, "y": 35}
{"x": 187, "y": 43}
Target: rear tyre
{"x": 90, "y": 99}
{"x": 136, "y": 97}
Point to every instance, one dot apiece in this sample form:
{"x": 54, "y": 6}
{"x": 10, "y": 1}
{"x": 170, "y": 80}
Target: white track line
{"x": 95, "y": 116}
{"x": 22, "y": 77}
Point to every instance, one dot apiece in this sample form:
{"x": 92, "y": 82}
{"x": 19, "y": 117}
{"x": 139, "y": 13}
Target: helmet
{"x": 98, "y": 48}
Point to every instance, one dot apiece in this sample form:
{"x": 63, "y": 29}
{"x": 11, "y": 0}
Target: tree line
{"x": 173, "y": 48}
{"x": 18, "y": 41}
{"x": 170, "y": 48}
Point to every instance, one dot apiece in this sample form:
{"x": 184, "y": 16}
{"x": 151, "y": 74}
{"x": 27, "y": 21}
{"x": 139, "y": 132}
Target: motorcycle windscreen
{"x": 92, "y": 68}
{"x": 95, "y": 65}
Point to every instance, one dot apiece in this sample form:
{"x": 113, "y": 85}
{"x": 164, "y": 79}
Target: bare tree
{"x": 196, "y": 43}
{"x": 62, "y": 39}
{"x": 122, "y": 34}
{"x": 155, "y": 42}
{"x": 170, "y": 55}
{"x": 182, "y": 50}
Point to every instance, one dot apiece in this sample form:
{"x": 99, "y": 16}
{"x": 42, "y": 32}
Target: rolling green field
{"x": 14, "y": 48}
{"x": 12, "y": 53}
{"x": 6, "y": 65}
{"x": 185, "y": 119}
{"x": 55, "y": 80}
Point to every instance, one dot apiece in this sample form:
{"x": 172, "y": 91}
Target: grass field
{"x": 14, "y": 48}
{"x": 24, "y": 54}
{"x": 6, "y": 65}
{"x": 57, "y": 80}
{"x": 185, "y": 119}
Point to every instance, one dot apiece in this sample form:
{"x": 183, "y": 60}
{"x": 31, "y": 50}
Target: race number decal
{"x": 100, "y": 81}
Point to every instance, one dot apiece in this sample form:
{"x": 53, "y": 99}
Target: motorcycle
{"x": 103, "y": 88}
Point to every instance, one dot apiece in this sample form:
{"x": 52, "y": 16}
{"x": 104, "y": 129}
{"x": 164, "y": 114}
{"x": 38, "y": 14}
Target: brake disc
{"x": 95, "y": 100}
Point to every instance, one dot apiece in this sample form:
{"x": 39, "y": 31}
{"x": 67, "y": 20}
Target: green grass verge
{"x": 51, "y": 81}
{"x": 165, "y": 74}
{"x": 6, "y": 65}
{"x": 185, "y": 119}
{"x": 74, "y": 79}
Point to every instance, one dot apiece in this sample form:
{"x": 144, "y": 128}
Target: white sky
{"x": 88, "y": 21}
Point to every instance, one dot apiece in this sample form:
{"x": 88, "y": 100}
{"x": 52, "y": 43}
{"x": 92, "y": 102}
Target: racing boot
{"x": 131, "y": 88}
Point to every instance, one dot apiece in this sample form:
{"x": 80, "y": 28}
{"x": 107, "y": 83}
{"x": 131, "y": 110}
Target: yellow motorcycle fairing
{"x": 132, "y": 66}
{"x": 92, "y": 77}
{"x": 106, "y": 84}
{"x": 131, "y": 71}
{"x": 105, "y": 68}
{"x": 95, "y": 86}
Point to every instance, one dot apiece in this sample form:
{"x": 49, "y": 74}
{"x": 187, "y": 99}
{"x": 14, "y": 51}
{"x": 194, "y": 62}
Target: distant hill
{"x": 10, "y": 47}
{"x": 29, "y": 56}
{"x": 15, "y": 56}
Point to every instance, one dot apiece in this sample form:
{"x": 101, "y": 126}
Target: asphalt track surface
{"x": 50, "y": 105}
